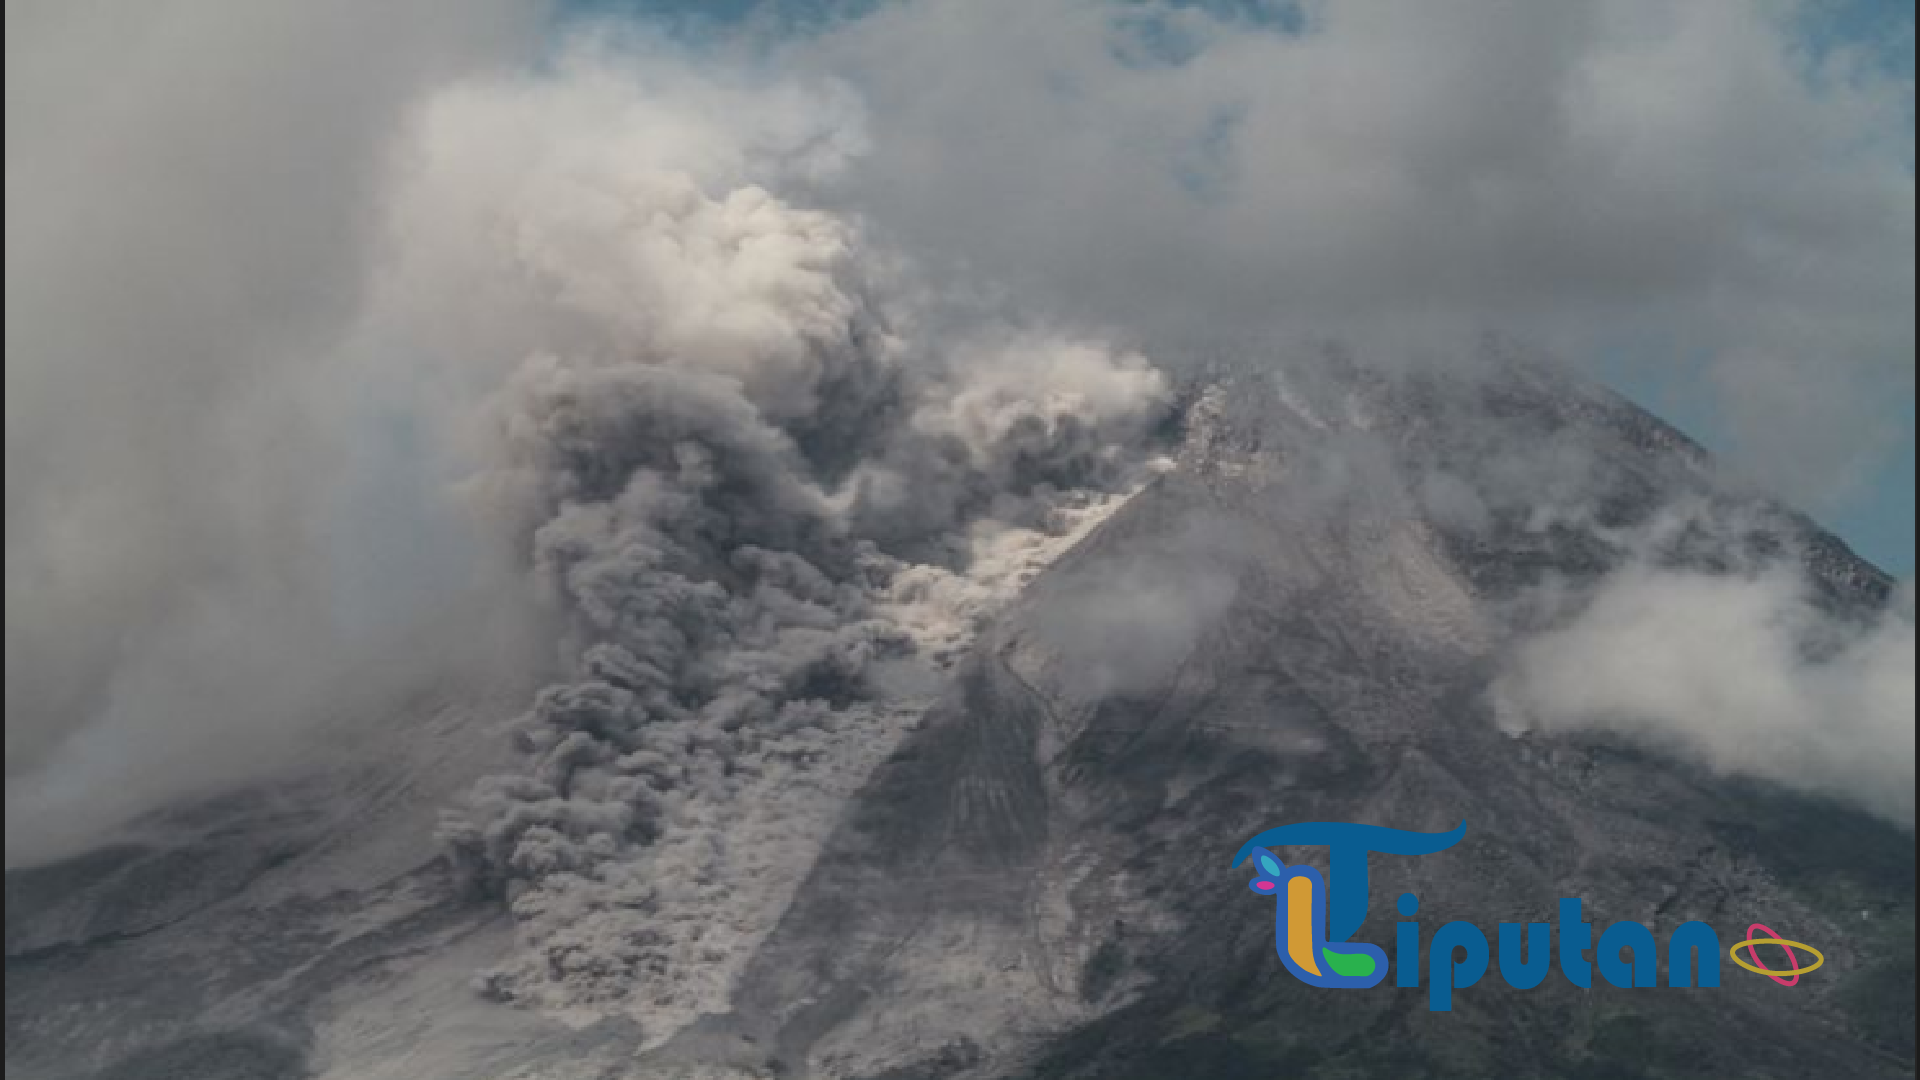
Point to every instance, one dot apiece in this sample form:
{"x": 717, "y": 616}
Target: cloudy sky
{"x": 1708, "y": 204}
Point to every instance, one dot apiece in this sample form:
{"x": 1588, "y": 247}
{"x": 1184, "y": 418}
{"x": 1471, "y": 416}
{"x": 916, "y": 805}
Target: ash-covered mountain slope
{"x": 1037, "y": 884}
{"x": 1303, "y": 619}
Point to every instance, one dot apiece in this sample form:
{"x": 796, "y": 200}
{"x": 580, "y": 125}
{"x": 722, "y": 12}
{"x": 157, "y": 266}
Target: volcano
{"x": 1304, "y": 614}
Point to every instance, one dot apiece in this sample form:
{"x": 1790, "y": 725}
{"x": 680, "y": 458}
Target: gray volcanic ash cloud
{"x": 728, "y": 624}
{"x": 743, "y": 474}
{"x": 230, "y": 516}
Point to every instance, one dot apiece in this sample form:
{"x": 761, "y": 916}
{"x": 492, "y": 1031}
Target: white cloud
{"x": 1745, "y": 673}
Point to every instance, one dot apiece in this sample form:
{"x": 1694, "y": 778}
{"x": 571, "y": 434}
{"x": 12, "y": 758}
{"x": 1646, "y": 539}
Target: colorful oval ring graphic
{"x": 1777, "y": 976}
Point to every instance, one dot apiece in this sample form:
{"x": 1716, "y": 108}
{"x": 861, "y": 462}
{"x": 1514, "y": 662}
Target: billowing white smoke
{"x": 751, "y": 485}
{"x": 1745, "y": 672}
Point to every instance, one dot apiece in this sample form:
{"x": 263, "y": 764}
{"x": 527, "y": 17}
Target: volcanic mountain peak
{"x": 1021, "y": 869}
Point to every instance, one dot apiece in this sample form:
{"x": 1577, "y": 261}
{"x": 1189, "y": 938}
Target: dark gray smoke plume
{"x": 762, "y": 511}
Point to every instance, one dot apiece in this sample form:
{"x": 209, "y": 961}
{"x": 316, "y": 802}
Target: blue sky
{"x": 1876, "y": 515}
{"x": 1876, "y": 518}
{"x": 1879, "y": 521}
